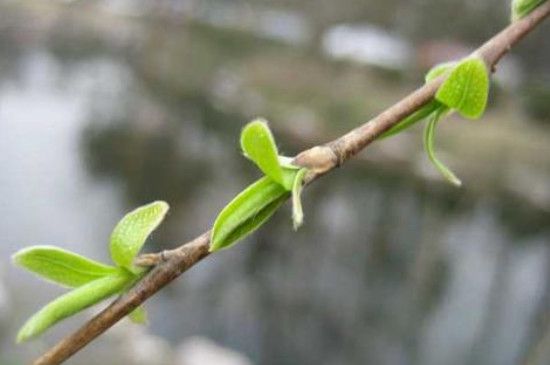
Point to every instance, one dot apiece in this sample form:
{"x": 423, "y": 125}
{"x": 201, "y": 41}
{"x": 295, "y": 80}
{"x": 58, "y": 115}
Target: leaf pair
{"x": 92, "y": 281}
{"x": 521, "y": 8}
{"x": 257, "y": 203}
{"x": 465, "y": 90}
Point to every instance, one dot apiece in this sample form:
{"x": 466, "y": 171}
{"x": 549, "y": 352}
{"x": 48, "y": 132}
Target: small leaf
{"x": 133, "y": 229}
{"x": 258, "y": 144}
{"x": 297, "y": 210}
{"x": 138, "y": 315}
{"x": 73, "y": 302}
{"x": 429, "y": 135}
{"x": 467, "y": 88}
{"x": 521, "y": 8}
{"x": 439, "y": 70}
{"x": 61, "y": 266}
{"x": 412, "y": 119}
{"x": 247, "y": 212}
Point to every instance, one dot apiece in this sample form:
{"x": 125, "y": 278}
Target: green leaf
{"x": 61, "y": 266}
{"x": 297, "y": 210}
{"x": 138, "y": 315}
{"x": 133, "y": 229}
{"x": 521, "y": 8}
{"x": 247, "y": 212}
{"x": 439, "y": 70}
{"x": 258, "y": 144}
{"x": 73, "y": 302}
{"x": 429, "y": 136}
{"x": 467, "y": 88}
{"x": 412, "y": 119}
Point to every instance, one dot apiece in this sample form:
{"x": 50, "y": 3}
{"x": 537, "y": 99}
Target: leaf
{"x": 429, "y": 135}
{"x": 138, "y": 315}
{"x": 61, "y": 266}
{"x": 297, "y": 210}
{"x": 439, "y": 70}
{"x": 521, "y": 8}
{"x": 133, "y": 229}
{"x": 467, "y": 88}
{"x": 258, "y": 144}
{"x": 73, "y": 302}
{"x": 247, "y": 212}
{"x": 412, "y": 119}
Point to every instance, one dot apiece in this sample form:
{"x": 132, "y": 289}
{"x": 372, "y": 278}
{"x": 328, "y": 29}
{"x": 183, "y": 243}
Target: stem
{"x": 322, "y": 159}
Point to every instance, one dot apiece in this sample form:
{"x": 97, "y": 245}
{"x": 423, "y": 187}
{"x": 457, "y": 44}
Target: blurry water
{"x": 387, "y": 270}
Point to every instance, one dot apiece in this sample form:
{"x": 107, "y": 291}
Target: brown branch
{"x": 320, "y": 159}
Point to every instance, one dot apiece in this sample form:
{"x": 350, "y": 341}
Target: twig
{"x": 320, "y": 160}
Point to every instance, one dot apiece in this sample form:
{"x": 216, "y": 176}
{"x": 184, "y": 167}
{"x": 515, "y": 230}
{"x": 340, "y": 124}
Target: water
{"x": 388, "y": 269}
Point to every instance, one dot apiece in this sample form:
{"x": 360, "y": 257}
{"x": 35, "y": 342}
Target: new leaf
{"x": 467, "y": 88}
{"x": 247, "y": 212}
{"x": 133, "y": 229}
{"x": 429, "y": 136}
{"x": 412, "y": 119}
{"x": 74, "y": 302}
{"x": 258, "y": 144}
{"x": 61, "y": 266}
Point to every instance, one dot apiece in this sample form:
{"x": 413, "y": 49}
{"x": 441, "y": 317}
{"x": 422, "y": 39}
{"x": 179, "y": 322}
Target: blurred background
{"x": 107, "y": 105}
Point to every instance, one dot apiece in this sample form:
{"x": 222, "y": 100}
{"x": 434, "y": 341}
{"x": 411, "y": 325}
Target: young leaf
{"x": 73, "y": 302}
{"x": 429, "y": 134}
{"x": 138, "y": 315}
{"x": 247, "y": 212}
{"x": 467, "y": 88}
{"x": 133, "y": 229}
{"x": 297, "y": 211}
{"x": 521, "y": 8}
{"x": 61, "y": 266}
{"x": 439, "y": 70}
{"x": 258, "y": 144}
{"x": 412, "y": 119}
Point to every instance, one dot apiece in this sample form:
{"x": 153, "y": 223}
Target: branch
{"x": 320, "y": 160}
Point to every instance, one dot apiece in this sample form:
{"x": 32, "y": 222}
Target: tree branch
{"x": 320, "y": 160}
